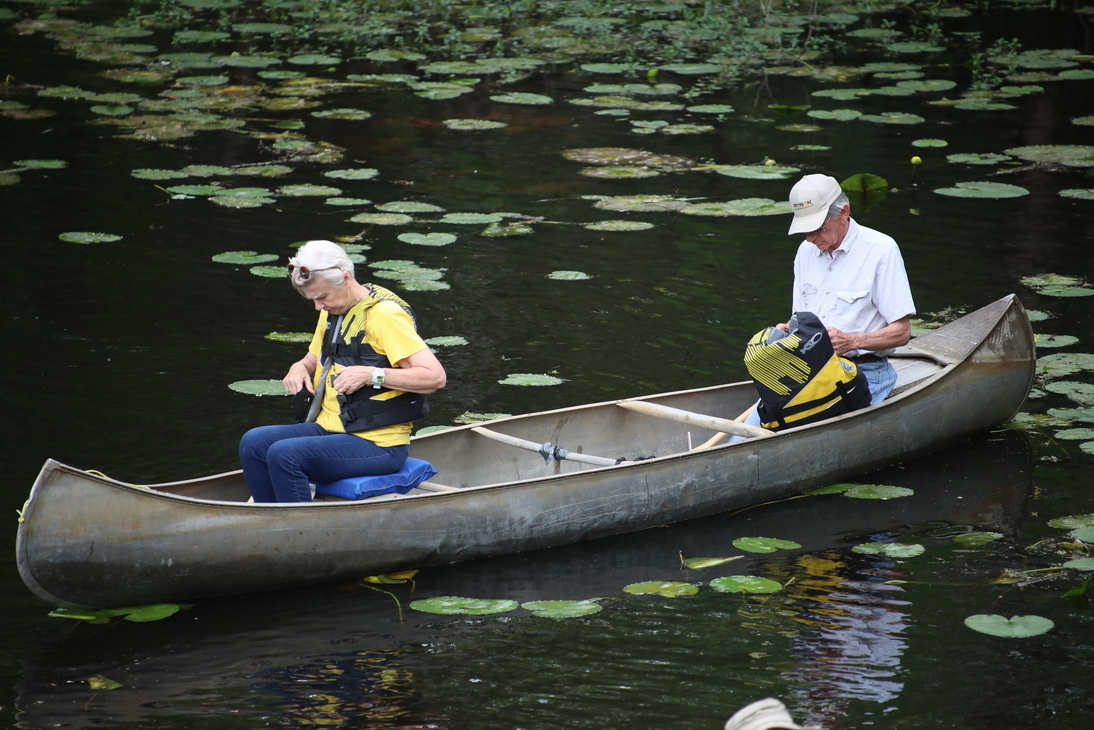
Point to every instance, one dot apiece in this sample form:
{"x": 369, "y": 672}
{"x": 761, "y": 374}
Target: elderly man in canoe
{"x": 852, "y": 306}
{"x": 362, "y": 382}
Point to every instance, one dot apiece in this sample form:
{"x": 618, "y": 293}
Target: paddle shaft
{"x": 735, "y": 428}
{"x": 533, "y": 446}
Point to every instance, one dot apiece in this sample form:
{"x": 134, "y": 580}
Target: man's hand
{"x": 783, "y": 326}
{"x": 841, "y": 341}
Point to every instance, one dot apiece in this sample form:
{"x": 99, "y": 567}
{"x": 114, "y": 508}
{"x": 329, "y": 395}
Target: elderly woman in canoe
{"x": 362, "y": 382}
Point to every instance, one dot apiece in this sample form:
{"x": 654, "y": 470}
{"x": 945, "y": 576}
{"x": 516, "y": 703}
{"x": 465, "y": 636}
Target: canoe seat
{"x": 413, "y": 473}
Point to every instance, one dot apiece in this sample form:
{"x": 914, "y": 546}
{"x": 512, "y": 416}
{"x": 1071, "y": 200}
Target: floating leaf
{"x": 532, "y": 379}
{"x": 409, "y": 206}
{"x": 88, "y": 237}
{"x": 930, "y": 143}
{"x": 361, "y": 173}
{"x": 446, "y": 341}
{"x": 568, "y": 275}
{"x": 975, "y": 539}
{"x": 621, "y": 172}
{"x": 99, "y": 682}
{"x": 710, "y": 109}
{"x": 742, "y": 207}
{"x": 1064, "y": 363}
{"x": 763, "y": 544}
{"x": 80, "y": 614}
{"x": 427, "y": 239}
{"x": 865, "y": 182}
{"x": 1078, "y": 193}
{"x": 664, "y": 588}
{"x": 473, "y": 125}
{"x": 618, "y": 226}
{"x": 1071, "y": 155}
{"x": 523, "y": 98}
{"x": 41, "y": 164}
{"x": 1056, "y": 340}
{"x": 877, "y": 491}
{"x": 561, "y": 609}
{"x": 830, "y": 489}
{"x": 890, "y": 549}
{"x": 244, "y": 257}
{"x": 289, "y": 336}
{"x": 1085, "y": 534}
{"x": 502, "y": 230}
{"x": 259, "y": 387}
{"x": 626, "y": 156}
{"x": 468, "y": 606}
{"x": 470, "y": 218}
{"x": 143, "y": 614}
{"x": 840, "y": 115}
{"x": 700, "y": 563}
{"x": 757, "y": 172}
{"x": 112, "y": 110}
{"x": 315, "y": 59}
{"x": 692, "y": 69}
{"x": 1081, "y": 393}
{"x": 1016, "y": 627}
{"x": 1076, "y": 434}
{"x": 1080, "y": 564}
{"x": 745, "y": 584}
{"x": 382, "y": 219}
{"x": 893, "y": 118}
{"x": 983, "y": 190}
{"x": 1072, "y": 522}
{"x": 640, "y": 203}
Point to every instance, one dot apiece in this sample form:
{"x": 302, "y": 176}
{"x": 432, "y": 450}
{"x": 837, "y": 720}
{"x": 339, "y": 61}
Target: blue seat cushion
{"x": 413, "y": 473}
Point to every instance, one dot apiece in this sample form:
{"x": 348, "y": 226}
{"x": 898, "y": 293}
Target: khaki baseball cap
{"x": 810, "y": 199}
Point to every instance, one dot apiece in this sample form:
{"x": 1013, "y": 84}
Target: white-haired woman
{"x": 366, "y": 373}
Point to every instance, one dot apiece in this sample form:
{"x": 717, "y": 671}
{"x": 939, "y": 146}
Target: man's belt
{"x": 862, "y": 359}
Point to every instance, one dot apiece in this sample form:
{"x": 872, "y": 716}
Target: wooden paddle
{"x": 720, "y": 437}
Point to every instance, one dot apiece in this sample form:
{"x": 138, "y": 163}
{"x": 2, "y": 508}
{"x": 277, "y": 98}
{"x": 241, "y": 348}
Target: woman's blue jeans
{"x": 280, "y": 462}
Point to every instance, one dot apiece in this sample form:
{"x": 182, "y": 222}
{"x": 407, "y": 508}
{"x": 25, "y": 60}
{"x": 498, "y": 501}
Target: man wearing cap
{"x": 853, "y": 278}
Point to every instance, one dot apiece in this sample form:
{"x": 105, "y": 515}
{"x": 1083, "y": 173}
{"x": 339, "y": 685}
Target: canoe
{"x": 628, "y": 464}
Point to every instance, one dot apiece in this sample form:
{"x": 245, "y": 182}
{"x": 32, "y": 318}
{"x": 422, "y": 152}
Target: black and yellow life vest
{"x": 799, "y": 377}
{"x": 361, "y": 410}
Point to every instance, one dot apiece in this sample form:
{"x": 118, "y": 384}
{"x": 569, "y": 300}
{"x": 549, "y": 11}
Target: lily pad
{"x": 1056, "y": 340}
{"x": 532, "y": 379}
{"x": 983, "y": 190}
{"x": 975, "y": 539}
{"x": 99, "y": 682}
{"x": 929, "y": 142}
{"x": 357, "y": 202}
{"x": 640, "y": 203}
{"x": 455, "y": 605}
{"x": 972, "y": 158}
{"x": 427, "y": 239}
{"x": 1076, "y": 434}
{"x": 524, "y": 98}
{"x": 470, "y": 218}
{"x": 409, "y": 206}
{"x": 562, "y": 609}
{"x": 259, "y": 387}
{"x": 839, "y": 115}
{"x": 446, "y": 341}
{"x": 353, "y": 115}
{"x": 763, "y": 544}
{"x": 742, "y": 207}
{"x": 1080, "y": 564}
{"x": 1071, "y": 155}
{"x": 305, "y": 189}
{"x": 1015, "y": 627}
{"x": 745, "y": 584}
{"x": 315, "y": 59}
{"x": 626, "y": 156}
{"x": 41, "y": 164}
{"x": 711, "y": 109}
{"x": 757, "y": 172}
{"x": 618, "y": 226}
{"x": 468, "y": 417}
{"x": 1078, "y": 193}
{"x": 88, "y": 237}
{"x": 568, "y": 275}
{"x": 865, "y": 182}
{"x": 1045, "y": 280}
{"x": 473, "y": 125}
{"x": 360, "y": 173}
{"x": 893, "y": 118}
{"x": 890, "y": 549}
{"x": 619, "y": 172}
{"x": 289, "y": 336}
{"x": 1072, "y": 522}
{"x": 382, "y": 219}
{"x": 664, "y": 588}
{"x": 244, "y": 257}
{"x": 877, "y": 491}
{"x": 1064, "y": 363}
{"x": 1081, "y": 393}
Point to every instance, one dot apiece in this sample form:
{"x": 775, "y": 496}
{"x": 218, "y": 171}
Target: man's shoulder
{"x": 875, "y": 238}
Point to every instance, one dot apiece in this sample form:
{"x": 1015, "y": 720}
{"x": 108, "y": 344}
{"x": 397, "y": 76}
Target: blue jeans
{"x": 280, "y": 462}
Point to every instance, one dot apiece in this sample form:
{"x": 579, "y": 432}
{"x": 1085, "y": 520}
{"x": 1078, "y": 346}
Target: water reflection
{"x": 339, "y": 655}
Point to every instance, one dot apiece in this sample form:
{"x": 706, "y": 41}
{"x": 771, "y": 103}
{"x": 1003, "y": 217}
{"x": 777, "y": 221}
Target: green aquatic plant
{"x": 764, "y": 544}
{"x": 663, "y": 588}
{"x": 455, "y": 605}
{"x": 562, "y": 609}
{"x": 1015, "y": 627}
{"x": 745, "y": 584}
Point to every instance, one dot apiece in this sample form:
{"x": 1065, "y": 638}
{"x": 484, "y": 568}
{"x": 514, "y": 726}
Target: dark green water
{"x": 120, "y": 355}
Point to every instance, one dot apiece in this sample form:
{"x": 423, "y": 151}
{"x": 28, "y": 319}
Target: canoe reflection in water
{"x": 339, "y": 654}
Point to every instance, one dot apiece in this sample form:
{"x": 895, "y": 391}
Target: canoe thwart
{"x": 725, "y": 425}
{"x": 429, "y": 486}
{"x": 548, "y": 451}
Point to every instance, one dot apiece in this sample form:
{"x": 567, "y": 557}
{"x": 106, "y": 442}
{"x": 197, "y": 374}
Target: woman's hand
{"x": 352, "y": 378}
{"x": 300, "y": 375}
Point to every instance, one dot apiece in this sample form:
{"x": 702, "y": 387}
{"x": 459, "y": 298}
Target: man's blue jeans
{"x": 280, "y": 462}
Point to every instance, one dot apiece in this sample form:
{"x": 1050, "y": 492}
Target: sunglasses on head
{"x": 305, "y": 272}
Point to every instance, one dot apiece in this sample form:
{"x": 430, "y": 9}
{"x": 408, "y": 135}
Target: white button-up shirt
{"x": 860, "y": 287}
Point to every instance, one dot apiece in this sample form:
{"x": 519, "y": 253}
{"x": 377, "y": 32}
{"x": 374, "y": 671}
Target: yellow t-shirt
{"x": 390, "y": 331}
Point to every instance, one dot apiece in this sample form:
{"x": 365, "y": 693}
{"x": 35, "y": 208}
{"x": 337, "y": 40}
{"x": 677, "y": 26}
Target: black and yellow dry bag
{"x": 799, "y": 377}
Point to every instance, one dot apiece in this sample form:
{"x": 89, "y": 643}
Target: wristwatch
{"x": 378, "y": 377}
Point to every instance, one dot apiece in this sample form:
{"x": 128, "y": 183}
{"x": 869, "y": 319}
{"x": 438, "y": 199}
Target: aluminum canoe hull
{"x": 86, "y": 540}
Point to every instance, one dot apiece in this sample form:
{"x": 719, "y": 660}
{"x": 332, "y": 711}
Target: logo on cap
{"x": 803, "y": 204}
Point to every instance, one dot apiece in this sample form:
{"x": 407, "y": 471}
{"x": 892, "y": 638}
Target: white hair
{"x": 326, "y": 259}
{"x": 838, "y": 205}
